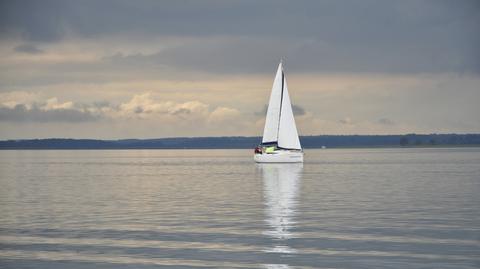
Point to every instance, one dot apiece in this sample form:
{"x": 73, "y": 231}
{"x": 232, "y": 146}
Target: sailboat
{"x": 280, "y": 142}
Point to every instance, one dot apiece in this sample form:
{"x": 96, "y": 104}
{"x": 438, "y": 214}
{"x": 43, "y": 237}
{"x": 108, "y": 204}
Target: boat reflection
{"x": 281, "y": 183}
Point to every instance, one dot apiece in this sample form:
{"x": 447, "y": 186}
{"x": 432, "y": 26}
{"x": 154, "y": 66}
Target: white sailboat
{"x": 280, "y": 142}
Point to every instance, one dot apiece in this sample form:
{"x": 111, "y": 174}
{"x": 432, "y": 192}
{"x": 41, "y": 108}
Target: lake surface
{"x": 343, "y": 208}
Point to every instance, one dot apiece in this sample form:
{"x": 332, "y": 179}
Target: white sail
{"x": 287, "y": 130}
{"x": 270, "y": 132}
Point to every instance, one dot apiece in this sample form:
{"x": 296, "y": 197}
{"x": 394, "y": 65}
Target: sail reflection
{"x": 281, "y": 184}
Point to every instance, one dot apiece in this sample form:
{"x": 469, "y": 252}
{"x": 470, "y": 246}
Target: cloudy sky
{"x": 146, "y": 69}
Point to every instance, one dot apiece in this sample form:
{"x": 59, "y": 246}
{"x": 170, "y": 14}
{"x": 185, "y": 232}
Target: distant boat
{"x": 280, "y": 142}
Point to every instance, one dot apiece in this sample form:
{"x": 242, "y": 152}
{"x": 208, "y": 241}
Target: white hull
{"x": 280, "y": 156}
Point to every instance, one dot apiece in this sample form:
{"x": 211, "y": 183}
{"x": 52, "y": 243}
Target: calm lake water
{"x": 343, "y": 208}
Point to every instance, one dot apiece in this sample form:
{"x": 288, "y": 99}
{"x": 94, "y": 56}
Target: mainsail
{"x": 280, "y": 125}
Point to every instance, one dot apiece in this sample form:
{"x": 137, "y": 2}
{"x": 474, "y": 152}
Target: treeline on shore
{"x": 318, "y": 141}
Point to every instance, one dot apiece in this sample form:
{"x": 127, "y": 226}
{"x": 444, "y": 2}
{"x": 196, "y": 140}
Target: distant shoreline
{"x": 372, "y": 147}
{"x": 319, "y": 141}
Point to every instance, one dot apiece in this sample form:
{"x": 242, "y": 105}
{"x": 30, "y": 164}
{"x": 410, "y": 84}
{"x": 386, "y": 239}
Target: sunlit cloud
{"x": 139, "y": 107}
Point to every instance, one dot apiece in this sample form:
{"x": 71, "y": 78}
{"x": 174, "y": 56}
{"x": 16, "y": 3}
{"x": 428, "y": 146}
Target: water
{"x": 343, "y": 208}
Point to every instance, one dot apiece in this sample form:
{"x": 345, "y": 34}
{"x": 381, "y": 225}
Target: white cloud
{"x": 11, "y": 99}
{"x": 223, "y": 114}
{"x": 142, "y": 108}
{"x": 53, "y": 103}
{"x": 146, "y": 106}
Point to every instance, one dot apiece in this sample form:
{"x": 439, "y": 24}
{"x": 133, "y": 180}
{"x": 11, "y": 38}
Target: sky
{"x": 150, "y": 69}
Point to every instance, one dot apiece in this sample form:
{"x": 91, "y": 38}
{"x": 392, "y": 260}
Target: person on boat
{"x": 258, "y": 150}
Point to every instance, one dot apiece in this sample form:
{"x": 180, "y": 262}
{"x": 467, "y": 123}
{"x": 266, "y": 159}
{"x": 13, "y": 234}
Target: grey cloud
{"x": 327, "y": 36}
{"x": 297, "y": 111}
{"x": 35, "y": 20}
{"x": 261, "y": 55}
{"x": 20, "y": 113}
{"x": 28, "y": 48}
{"x": 181, "y": 111}
{"x": 346, "y": 121}
{"x": 262, "y": 112}
{"x": 386, "y": 121}
{"x": 101, "y": 104}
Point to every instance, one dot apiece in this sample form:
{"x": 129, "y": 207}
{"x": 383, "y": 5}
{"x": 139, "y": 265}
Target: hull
{"x": 281, "y": 156}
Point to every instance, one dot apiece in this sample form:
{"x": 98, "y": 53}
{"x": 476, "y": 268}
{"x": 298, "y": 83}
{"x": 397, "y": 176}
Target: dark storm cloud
{"x": 28, "y": 48}
{"x": 21, "y": 113}
{"x": 326, "y": 36}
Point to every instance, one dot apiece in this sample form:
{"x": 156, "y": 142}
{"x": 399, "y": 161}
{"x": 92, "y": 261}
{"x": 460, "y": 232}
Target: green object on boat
{"x": 270, "y": 149}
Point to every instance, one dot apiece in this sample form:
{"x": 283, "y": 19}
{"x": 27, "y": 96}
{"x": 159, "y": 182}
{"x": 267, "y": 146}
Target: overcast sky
{"x": 146, "y": 69}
